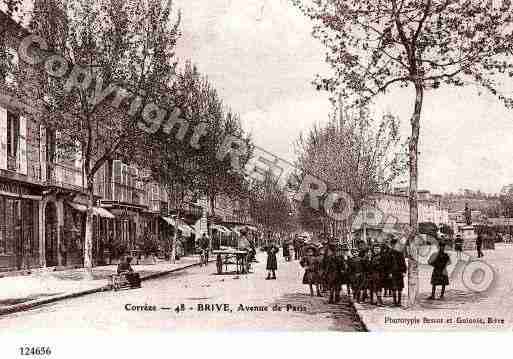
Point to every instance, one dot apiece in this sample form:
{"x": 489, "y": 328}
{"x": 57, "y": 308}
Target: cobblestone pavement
{"x": 245, "y": 296}
{"x": 462, "y": 309}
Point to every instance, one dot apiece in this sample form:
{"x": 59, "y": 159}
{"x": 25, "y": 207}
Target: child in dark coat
{"x": 396, "y": 268}
{"x": 272, "y": 262}
{"x": 439, "y": 260}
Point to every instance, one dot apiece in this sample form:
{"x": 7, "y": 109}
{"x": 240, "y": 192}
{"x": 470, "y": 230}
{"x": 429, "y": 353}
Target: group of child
{"x": 367, "y": 272}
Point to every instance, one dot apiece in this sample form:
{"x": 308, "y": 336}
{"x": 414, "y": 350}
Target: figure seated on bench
{"x": 133, "y": 278}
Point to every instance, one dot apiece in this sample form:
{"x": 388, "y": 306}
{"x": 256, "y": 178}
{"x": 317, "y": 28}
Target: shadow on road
{"x": 453, "y": 298}
{"x": 343, "y": 314}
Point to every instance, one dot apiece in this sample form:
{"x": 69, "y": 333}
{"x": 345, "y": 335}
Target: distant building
{"x": 394, "y": 208}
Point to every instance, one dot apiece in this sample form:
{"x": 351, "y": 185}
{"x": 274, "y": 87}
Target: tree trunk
{"x": 213, "y": 209}
{"x": 174, "y": 239}
{"x": 173, "y": 244}
{"x": 413, "y": 265}
{"x": 88, "y": 240}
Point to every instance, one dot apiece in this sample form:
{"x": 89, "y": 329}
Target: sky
{"x": 262, "y": 58}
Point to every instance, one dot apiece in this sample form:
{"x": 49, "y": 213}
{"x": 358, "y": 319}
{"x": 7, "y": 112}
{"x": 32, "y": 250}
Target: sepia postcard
{"x": 255, "y": 165}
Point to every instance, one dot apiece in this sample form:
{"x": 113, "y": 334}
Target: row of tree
{"x": 117, "y": 61}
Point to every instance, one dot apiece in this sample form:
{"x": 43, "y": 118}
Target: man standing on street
{"x": 479, "y": 245}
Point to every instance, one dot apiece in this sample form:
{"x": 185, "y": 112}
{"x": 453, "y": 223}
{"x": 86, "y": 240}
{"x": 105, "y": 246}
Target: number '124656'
{"x": 33, "y": 351}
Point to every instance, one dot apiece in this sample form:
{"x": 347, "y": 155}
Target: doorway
{"x": 51, "y": 235}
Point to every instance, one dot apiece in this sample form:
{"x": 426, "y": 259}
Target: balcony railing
{"x": 66, "y": 176}
{"x": 187, "y": 207}
{"x": 126, "y": 194}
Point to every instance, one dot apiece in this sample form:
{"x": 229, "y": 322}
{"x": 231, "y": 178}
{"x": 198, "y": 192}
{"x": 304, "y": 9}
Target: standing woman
{"x": 272, "y": 262}
{"x": 439, "y": 260}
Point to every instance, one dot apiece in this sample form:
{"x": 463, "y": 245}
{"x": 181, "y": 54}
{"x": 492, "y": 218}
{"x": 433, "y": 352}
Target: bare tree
{"x": 270, "y": 205}
{"x": 354, "y": 154}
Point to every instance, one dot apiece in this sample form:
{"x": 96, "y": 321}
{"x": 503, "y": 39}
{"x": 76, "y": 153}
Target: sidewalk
{"x": 461, "y": 310}
{"x": 24, "y": 292}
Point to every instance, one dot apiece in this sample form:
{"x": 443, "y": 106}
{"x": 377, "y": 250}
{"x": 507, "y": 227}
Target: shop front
{"x": 185, "y": 237}
{"x": 126, "y": 228}
{"x": 19, "y": 228}
{"x": 74, "y": 234}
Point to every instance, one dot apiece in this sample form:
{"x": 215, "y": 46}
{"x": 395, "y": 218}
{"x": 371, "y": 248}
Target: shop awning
{"x": 97, "y": 211}
{"x": 102, "y": 212}
{"x": 185, "y": 228}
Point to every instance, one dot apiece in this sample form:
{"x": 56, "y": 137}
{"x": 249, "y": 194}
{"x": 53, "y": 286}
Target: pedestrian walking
{"x": 296, "y": 243}
{"x": 204, "y": 244}
{"x": 458, "y": 245}
{"x": 479, "y": 245}
{"x": 439, "y": 260}
{"x": 272, "y": 262}
{"x": 286, "y": 252}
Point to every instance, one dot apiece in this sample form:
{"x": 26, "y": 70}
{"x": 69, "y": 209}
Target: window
{"x": 13, "y": 132}
{"x": 12, "y": 66}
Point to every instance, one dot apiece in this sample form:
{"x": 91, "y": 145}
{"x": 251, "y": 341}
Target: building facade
{"x": 43, "y": 199}
{"x": 22, "y": 168}
{"x": 394, "y": 208}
